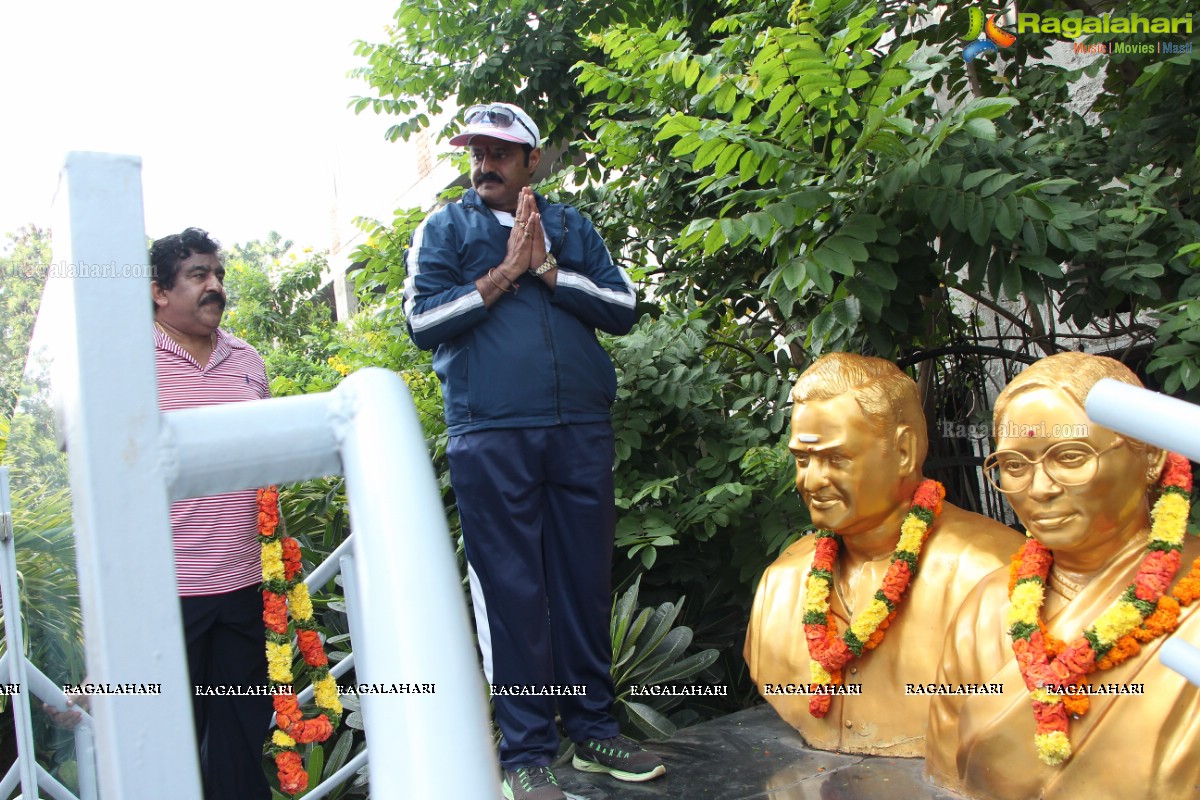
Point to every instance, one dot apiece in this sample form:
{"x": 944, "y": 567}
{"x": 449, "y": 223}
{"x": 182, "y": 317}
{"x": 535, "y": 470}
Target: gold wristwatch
{"x": 550, "y": 263}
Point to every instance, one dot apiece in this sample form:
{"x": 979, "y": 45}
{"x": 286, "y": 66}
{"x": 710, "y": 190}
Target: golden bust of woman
{"x": 1072, "y": 629}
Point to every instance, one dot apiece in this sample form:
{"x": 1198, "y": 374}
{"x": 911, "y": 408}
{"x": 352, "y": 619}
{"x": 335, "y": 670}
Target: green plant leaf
{"x": 651, "y": 722}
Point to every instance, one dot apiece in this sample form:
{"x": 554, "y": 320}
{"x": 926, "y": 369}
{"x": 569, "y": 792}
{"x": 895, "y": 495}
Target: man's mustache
{"x": 489, "y": 176}
{"x": 213, "y": 297}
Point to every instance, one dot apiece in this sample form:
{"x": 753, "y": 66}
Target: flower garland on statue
{"x": 283, "y": 591}
{"x": 827, "y": 651}
{"x": 1143, "y": 612}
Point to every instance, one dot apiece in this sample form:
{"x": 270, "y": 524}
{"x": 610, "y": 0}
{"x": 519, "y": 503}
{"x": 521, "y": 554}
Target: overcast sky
{"x": 237, "y": 109}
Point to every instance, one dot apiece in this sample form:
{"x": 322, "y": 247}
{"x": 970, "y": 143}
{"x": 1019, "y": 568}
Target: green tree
{"x": 790, "y": 178}
{"x": 795, "y": 157}
{"x": 24, "y": 262}
{"x": 276, "y": 303}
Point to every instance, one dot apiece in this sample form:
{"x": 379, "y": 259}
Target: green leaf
{"x": 976, "y": 178}
{"x": 1008, "y": 218}
{"x": 867, "y": 293}
{"x": 863, "y": 227}
{"x": 676, "y": 125}
{"x": 339, "y": 754}
{"x": 316, "y": 760}
{"x": 833, "y": 261}
{"x": 623, "y": 615}
{"x": 728, "y": 158}
{"x": 1033, "y": 233}
{"x": 847, "y": 246}
{"x": 649, "y": 721}
{"x": 1040, "y": 264}
{"x": 692, "y": 665}
{"x": 988, "y": 107}
{"x": 879, "y": 273}
{"x": 714, "y": 240}
{"x": 761, "y": 224}
{"x": 688, "y": 144}
{"x": 978, "y": 222}
{"x": 995, "y": 184}
{"x": 981, "y": 129}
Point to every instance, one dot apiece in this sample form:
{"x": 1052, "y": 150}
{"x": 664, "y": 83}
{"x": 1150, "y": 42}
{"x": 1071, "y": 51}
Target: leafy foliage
{"x": 24, "y": 266}
{"x": 649, "y": 651}
{"x": 701, "y": 455}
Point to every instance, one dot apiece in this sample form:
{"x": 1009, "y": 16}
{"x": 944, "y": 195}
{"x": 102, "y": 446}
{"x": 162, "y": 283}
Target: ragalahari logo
{"x": 983, "y": 37}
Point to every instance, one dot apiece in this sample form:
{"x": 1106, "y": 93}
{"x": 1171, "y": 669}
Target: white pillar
{"x": 107, "y": 401}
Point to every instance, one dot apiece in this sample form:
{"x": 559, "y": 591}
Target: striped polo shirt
{"x": 216, "y": 549}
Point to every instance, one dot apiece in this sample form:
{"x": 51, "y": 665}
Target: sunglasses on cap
{"x": 496, "y": 116}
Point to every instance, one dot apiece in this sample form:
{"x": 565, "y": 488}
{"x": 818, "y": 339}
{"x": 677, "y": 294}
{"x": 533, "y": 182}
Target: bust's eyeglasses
{"x": 1066, "y": 463}
{"x": 496, "y": 116}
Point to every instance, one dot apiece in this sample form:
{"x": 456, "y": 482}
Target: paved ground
{"x": 751, "y": 755}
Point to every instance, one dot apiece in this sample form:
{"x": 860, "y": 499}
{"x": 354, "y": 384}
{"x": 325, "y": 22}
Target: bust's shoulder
{"x": 797, "y": 557}
{"x": 962, "y": 529}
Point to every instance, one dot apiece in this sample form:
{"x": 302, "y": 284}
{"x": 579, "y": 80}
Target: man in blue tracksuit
{"x": 508, "y": 290}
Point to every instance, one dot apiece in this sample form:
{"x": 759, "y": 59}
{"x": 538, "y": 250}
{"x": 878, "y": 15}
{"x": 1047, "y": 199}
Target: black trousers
{"x": 226, "y": 647}
{"x": 538, "y": 522}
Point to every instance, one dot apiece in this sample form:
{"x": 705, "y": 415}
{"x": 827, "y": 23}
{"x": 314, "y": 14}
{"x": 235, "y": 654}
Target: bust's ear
{"x": 905, "y": 442}
{"x": 1155, "y": 459}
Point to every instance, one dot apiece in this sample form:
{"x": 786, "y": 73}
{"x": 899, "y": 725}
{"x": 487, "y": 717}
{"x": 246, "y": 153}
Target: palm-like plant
{"x": 648, "y": 651}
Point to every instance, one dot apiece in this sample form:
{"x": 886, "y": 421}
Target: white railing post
{"x": 128, "y": 461}
{"x": 14, "y": 658}
{"x": 410, "y": 598}
{"x": 107, "y": 401}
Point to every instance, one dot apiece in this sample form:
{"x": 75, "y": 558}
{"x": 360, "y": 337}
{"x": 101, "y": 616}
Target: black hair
{"x": 167, "y": 253}
{"x": 528, "y": 148}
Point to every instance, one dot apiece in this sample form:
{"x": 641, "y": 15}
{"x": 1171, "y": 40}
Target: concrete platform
{"x": 751, "y": 755}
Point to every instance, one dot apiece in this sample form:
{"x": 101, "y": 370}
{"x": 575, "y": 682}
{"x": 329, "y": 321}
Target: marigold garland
{"x": 1143, "y": 612}
{"x": 283, "y": 589}
{"x": 828, "y": 652}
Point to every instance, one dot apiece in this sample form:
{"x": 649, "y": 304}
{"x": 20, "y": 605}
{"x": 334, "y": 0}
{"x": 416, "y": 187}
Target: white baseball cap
{"x": 499, "y": 121}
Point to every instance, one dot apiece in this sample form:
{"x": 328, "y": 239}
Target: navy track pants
{"x": 538, "y": 521}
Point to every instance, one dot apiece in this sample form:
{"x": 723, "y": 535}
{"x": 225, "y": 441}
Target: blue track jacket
{"x": 532, "y": 359}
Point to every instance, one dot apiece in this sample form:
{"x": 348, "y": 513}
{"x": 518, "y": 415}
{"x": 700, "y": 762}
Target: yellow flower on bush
{"x": 339, "y": 364}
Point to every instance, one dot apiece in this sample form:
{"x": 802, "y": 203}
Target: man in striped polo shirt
{"x": 217, "y": 561}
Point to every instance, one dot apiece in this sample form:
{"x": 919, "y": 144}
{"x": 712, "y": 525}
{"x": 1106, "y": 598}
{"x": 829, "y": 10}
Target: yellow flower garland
{"x": 284, "y": 592}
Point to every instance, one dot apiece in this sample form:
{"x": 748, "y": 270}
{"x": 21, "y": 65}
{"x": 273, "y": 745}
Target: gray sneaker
{"x": 620, "y": 757}
{"x": 531, "y": 783}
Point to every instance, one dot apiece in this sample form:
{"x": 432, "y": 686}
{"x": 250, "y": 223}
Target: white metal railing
{"x": 128, "y": 461}
{"x": 18, "y": 670}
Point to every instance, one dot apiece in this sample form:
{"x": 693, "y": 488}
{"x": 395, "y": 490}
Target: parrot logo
{"x": 994, "y": 37}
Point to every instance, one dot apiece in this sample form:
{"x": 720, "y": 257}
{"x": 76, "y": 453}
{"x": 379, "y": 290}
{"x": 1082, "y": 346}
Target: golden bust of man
{"x": 860, "y": 439}
{"x": 1083, "y": 492}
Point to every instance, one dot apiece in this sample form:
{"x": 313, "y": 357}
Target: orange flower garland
{"x": 1143, "y": 612}
{"x": 283, "y": 591}
{"x": 828, "y": 652}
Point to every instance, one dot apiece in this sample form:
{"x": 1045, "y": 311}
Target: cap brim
{"x": 503, "y": 134}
